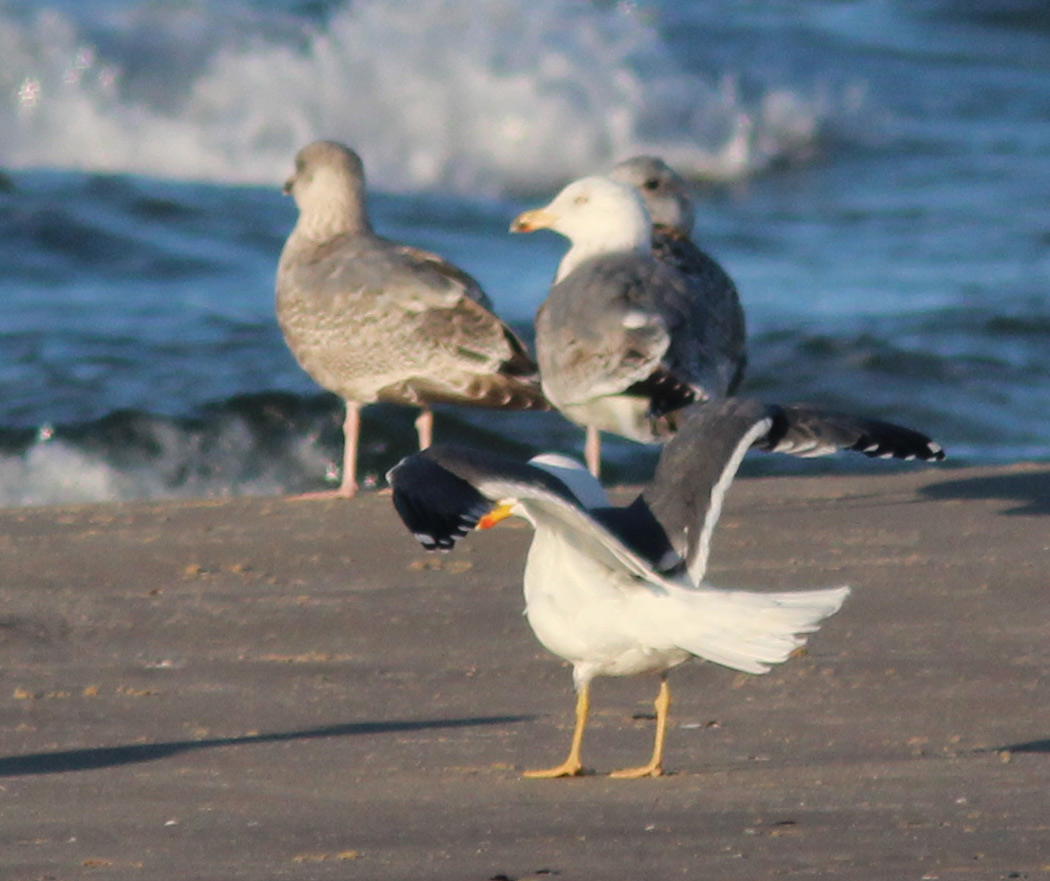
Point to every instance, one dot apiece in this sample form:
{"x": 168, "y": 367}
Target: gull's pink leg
{"x": 425, "y": 428}
{"x": 348, "y": 486}
{"x": 592, "y": 451}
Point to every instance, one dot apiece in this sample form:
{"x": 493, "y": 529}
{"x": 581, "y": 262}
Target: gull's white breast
{"x": 602, "y": 620}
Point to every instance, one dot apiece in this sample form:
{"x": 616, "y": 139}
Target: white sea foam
{"x": 436, "y": 94}
{"x": 161, "y": 459}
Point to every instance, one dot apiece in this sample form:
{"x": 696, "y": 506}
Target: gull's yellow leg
{"x": 572, "y": 766}
{"x": 655, "y": 766}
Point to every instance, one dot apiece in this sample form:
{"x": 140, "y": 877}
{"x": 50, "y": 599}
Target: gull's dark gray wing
{"x": 698, "y": 465}
{"x": 721, "y": 345}
{"x": 442, "y": 492}
{"x": 695, "y": 470}
{"x": 637, "y": 527}
{"x": 808, "y": 430}
{"x": 607, "y": 326}
{"x": 718, "y": 350}
{"x": 437, "y": 506}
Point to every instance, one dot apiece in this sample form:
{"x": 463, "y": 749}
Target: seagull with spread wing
{"x": 618, "y": 591}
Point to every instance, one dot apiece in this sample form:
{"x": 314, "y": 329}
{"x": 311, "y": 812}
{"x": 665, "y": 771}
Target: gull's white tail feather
{"x": 746, "y": 630}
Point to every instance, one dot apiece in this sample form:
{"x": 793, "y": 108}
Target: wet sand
{"x": 263, "y": 689}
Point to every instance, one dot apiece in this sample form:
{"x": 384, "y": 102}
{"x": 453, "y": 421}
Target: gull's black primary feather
{"x": 805, "y": 429}
{"x": 697, "y": 466}
{"x": 442, "y": 492}
{"x": 437, "y": 506}
{"x": 666, "y": 393}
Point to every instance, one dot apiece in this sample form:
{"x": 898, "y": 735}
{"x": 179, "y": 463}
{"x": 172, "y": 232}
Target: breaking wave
{"x": 548, "y": 90}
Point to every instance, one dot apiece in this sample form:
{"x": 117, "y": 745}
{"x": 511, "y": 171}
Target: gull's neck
{"x": 329, "y": 211}
{"x": 630, "y": 233}
{"x": 581, "y": 251}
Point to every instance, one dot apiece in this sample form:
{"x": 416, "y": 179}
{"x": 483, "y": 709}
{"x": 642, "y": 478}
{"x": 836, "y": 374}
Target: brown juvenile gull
{"x": 670, "y": 205}
{"x": 620, "y": 591}
{"x": 375, "y": 320}
{"x": 623, "y": 339}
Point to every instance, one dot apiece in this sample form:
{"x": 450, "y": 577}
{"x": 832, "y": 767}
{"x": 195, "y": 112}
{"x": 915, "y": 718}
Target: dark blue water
{"x": 874, "y": 175}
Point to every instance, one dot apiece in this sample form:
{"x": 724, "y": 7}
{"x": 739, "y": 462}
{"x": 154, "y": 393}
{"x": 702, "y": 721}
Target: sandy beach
{"x": 264, "y": 689}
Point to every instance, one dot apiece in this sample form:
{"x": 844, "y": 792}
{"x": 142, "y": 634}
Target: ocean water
{"x": 875, "y": 174}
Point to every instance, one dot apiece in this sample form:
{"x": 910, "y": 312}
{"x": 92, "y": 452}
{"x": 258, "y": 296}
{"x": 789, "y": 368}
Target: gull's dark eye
{"x": 652, "y": 183}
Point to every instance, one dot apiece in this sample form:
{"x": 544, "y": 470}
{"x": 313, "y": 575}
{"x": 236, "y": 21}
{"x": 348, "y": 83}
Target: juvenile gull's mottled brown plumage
{"x": 375, "y": 320}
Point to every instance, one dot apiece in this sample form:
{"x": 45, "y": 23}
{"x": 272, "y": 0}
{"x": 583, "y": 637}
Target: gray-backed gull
{"x": 623, "y": 340}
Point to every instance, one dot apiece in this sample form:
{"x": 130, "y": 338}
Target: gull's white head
{"x": 665, "y": 192}
{"x": 329, "y": 188}
{"x": 598, "y": 215}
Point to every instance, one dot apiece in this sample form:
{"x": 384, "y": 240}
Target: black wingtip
{"x": 885, "y": 440}
{"x": 666, "y": 393}
{"x": 438, "y": 507}
{"x": 804, "y": 429}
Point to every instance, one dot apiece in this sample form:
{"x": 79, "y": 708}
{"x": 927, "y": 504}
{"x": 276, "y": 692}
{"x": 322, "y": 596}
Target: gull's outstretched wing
{"x": 442, "y": 492}
{"x": 698, "y": 465}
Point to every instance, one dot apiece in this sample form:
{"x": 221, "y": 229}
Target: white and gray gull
{"x": 618, "y": 591}
{"x": 375, "y": 320}
{"x": 626, "y": 339}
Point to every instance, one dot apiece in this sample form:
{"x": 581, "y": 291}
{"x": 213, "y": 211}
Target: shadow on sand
{"x": 1030, "y": 489}
{"x": 110, "y": 756}
{"x": 1029, "y": 746}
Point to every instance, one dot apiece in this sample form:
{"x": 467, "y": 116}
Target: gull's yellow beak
{"x": 500, "y": 512}
{"x": 530, "y": 221}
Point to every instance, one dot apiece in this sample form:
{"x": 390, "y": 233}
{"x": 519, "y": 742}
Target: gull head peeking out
{"x": 664, "y": 190}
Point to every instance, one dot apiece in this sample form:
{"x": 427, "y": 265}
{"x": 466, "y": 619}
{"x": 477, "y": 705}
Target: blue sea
{"x": 875, "y": 175}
